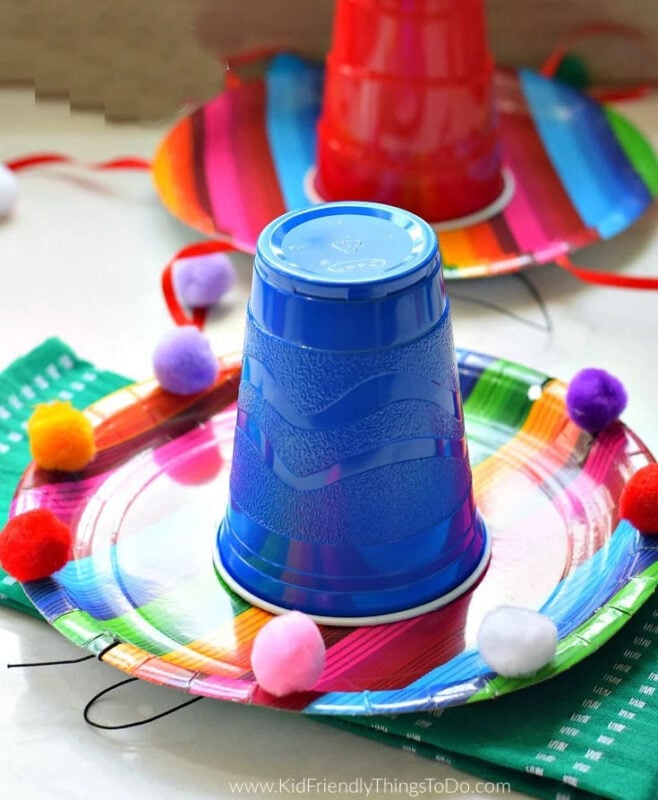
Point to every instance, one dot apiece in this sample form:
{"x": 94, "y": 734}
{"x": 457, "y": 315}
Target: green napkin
{"x": 52, "y": 371}
{"x": 588, "y": 733}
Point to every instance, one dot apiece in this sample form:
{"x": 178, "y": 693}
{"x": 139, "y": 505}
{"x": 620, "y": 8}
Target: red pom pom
{"x": 33, "y": 545}
{"x": 639, "y": 500}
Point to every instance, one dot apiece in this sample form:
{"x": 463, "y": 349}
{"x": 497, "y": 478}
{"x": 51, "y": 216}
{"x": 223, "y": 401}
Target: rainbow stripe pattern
{"x": 581, "y": 172}
{"x": 141, "y": 590}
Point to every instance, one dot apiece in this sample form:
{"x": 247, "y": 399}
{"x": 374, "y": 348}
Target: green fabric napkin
{"x": 591, "y": 732}
{"x": 588, "y": 733}
{"x": 52, "y": 371}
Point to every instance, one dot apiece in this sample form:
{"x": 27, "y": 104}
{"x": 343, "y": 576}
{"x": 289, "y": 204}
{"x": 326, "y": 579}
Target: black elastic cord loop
{"x": 52, "y": 663}
{"x": 97, "y": 697}
{"x": 106, "y": 650}
{"x": 536, "y": 296}
{"x": 65, "y": 660}
{"x": 546, "y": 327}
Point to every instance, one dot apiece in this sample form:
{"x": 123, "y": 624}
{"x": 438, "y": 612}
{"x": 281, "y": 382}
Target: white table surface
{"x": 81, "y": 259}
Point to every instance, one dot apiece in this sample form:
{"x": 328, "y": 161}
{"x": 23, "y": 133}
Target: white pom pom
{"x": 516, "y": 641}
{"x": 8, "y": 190}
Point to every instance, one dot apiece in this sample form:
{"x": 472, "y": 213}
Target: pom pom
{"x": 573, "y": 70}
{"x": 61, "y": 437}
{"x": 34, "y": 545}
{"x": 288, "y": 654}
{"x": 595, "y": 398}
{"x": 202, "y": 281}
{"x": 8, "y": 191}
{"x": 639, "y": 500}
{"x": 183, "y": 361}
{"x": 516, "y": 641}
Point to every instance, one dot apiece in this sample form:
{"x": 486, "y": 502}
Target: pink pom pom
{"x": 288, "y": 654}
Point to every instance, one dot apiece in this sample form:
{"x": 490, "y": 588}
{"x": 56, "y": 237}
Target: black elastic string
{"x": 65, "y": 660}
{"x": 52, "y": 663}
{"x": 546, "y": 327}
{"x": 98, "y": 696}
{"x": 536, "y": 296}
{"x": 106, "y": 650}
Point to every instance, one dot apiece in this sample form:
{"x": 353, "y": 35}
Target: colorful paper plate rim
{"x": 547, "y": 490}
{"x": 580, "y": 172}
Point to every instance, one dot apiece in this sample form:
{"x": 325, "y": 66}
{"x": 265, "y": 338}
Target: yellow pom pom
{"x": 61, "y": 437}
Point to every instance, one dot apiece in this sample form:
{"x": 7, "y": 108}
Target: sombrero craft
{"x": 141, "y": 589}
{"x": 578, "y": 172}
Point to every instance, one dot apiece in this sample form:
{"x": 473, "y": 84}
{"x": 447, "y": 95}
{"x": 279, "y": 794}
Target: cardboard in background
{"x": 147, "y": 59}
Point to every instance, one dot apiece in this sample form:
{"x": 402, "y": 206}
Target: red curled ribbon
{"x": 591, "y": 30}
{"x": 46, "y": 159}
{"x": 606, "y": 278}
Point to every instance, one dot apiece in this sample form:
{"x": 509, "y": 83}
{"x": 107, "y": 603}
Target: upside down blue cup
{"x": 350, "y": 491}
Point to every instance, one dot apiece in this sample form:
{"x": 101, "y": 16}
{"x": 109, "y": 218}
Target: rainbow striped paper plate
{"x": 141, "y": 590}
{"x": 577, "y": 172}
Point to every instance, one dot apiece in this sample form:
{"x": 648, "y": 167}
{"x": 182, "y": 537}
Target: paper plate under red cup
{"x": 575, "y": 171}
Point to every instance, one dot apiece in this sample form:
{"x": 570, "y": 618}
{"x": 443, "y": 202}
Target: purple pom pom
{"x": 202, "y": 281}
{"x": 595, "y": 398}
{"x": 183, "y": 361}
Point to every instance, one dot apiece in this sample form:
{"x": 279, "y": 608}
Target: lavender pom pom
{"x": 8, "y": 190}
{"x": 595, "y": 398}
{"x": 202, "y": 281}
{"x": 183, "y": 361}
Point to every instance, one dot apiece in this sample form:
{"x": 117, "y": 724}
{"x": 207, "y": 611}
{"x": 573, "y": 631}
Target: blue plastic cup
{"x": 350, "y": 491}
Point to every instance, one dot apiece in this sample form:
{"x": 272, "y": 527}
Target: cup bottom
{"x": 360, "y": 621}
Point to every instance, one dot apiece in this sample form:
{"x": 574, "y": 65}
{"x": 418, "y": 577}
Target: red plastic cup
{"x": 408, "y": 116}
